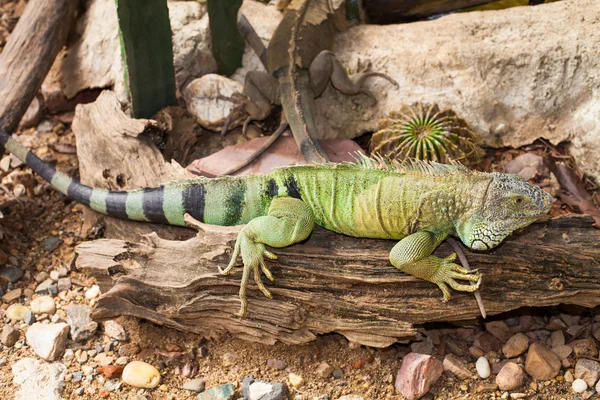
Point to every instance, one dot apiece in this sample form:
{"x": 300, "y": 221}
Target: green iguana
{"x": 300, "y": 64}
{"x": 419, "y": 203}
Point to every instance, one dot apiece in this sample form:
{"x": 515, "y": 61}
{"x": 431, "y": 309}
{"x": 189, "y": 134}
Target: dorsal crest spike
{"x": 409, "y": 165}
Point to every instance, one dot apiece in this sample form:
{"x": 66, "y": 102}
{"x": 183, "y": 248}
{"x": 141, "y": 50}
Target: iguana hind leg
{"x": 288, "y": 221}
{"x": 326, "y": 67}
{"x": 412, "y": 255}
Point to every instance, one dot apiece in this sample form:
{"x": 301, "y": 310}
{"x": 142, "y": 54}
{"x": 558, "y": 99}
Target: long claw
{"x": 260, "y": 284}
{"x": 266, "y": 271}
{"x": 270, "y": 255}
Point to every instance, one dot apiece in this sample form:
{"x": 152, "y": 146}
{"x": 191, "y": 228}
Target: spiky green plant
{"x": 425, "y": 132}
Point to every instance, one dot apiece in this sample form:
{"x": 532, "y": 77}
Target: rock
{"x": 228, "y": 360}
{"x": 515, "y": 346}
{"x": 16, "y": 312}
{"x": 141, "y": 375}
{"x": 112, "y": 385}
{"x": 82, "y": 326}
{"x": 12, "y": 295}
{"x": 111, "y": 371}
{"x": 499, "y": 329}
{"x": 422, "y": 347}
{"x": 44, "y": 287}
{"x": 276, "y": 364}
{"x": 483, "y": 367}
{"x": 54, "y": 275}
{"x": 541, "y": 363}
{"x": 351, "y": 397}
{"x": 295, "y": 380}
{"x": 324, "y": 370}
{"x": 456, "y": 346}
{"x": 487, "y": 342}
{"x": 416, "y": 375}
{"x": 260, "y": 390}
{"x": 194, "y": 385}
{"x": 50, "y": 243}
{"x": 281, "y": 153}
{"x": 557, "y": 338}
{"x": 114, "y": 330}
{"x": 200, "y": 101}
{"x": 337, "y": 373}
{"x": 38, "y": 380}
{"x": 9, "y": 336}
{"x": 562, "y": 351}
{"x": 122, "y": 360}
{"x": 510, "y": 377}
{"x": 579, "y": 386}
{"x": 48, "y": 340}
{"x": 69, "y": 355}
{"x": 63, "y": 284}
{"x": 29, "y": 318}
{"x": 43, "y": 305}
{"x": 457, "y": 366}
{"x": 584, "y": 348}
{"x": 12, "y": 273}
{"x": 476, "y": 352}
{"x": 222, "y": 392}
{"x": 588, "y": 370}
{"x": 92, "y": 292}
{"x": 569, "y": 377}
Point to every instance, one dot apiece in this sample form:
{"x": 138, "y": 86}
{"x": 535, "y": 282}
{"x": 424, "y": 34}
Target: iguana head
{"x": 509, "y": 204}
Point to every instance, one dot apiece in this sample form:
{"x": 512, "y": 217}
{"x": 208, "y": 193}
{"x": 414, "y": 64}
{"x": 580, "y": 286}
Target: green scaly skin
{"x": 418, "y": 203}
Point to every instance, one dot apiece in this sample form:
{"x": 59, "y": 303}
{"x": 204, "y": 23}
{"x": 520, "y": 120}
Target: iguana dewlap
{"x": 420, "y": 204}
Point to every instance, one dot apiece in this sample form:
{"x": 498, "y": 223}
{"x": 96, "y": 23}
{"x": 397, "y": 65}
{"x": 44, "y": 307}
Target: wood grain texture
{"x": 335, "y": 283}
{"x": 29, "y": 53}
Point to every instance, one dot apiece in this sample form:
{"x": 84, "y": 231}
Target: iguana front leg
{"x": 412, "y": 255}
{"x": 288, "y": 221}
{"x": 326, "y": 67}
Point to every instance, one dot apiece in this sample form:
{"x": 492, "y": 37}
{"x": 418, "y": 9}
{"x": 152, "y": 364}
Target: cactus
{"x": 425, "y": 132}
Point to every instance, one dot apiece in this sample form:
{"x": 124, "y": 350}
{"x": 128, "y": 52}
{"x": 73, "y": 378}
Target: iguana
{"x": 418, "y": 203}
{"x": 300, "y": 64}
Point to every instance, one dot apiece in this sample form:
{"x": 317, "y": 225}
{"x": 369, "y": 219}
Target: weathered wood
{"x": 115, "y": 152}
{"x": 390, "y": 11}
{"x": 29, "y": 53}
{"x": 335, "y": 283}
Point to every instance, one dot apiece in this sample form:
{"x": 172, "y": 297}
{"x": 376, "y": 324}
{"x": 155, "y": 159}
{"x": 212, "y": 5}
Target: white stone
{"x": 483, "y": 367}
{"x": 579, "y": 386}
{"x": 36, "y": 379}
{"x": 211, "y": 98}
{"x": 48, "y": 340}
{"x": 141, "y": 375}
{"x": 92, "y": 292}
{"x": 43, "y": 305}
{"x": 259, "y": 389}
{"x": 295, "y": 380}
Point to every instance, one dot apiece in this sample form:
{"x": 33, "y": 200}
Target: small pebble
{"x": 483, "y": 367}
{"x": 194, "y": 385}
{"x": 579, "y": 386}
{"x": 228, "y": 360}
{"x": 92, "y": 292}
{"x": 17, "y": 312}
{"x": 295, "y": 380}
{"x": 141, "y": 375}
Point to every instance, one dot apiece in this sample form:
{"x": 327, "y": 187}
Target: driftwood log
{"x": 330, "y": 283}
{"x": 29, "y": 53}
{"x": 334, "y": 283}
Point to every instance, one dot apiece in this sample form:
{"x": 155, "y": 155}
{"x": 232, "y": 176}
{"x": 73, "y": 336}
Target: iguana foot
{"x": 253, "y": 257}
{"x": 448, "y": 272}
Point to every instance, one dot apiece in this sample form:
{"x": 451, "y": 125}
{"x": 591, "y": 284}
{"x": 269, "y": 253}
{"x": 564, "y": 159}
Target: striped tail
{"x": 219, "y": 201}
{"x": 139, "y": 205}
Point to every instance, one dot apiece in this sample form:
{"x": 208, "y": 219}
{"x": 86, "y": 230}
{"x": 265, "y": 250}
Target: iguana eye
{"x": 518, "y": 200}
